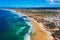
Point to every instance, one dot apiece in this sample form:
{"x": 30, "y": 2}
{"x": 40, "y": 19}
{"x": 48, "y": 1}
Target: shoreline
{"x": 49, "y": 37}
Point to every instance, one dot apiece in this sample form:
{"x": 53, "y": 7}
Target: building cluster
{"x": 54, "y": 19}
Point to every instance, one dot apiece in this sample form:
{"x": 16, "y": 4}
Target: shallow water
{"x": 10, "y": 23}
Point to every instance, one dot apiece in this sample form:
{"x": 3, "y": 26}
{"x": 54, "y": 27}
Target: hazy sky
{"x": 29, "y": 3}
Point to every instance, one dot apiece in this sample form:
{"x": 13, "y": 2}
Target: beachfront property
{"x": 53, "y": 19}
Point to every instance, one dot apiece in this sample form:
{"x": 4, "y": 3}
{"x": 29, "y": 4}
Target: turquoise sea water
{"x": 12, "y": 27}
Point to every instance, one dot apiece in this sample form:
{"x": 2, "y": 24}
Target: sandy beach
{"x": 39, "y": 34}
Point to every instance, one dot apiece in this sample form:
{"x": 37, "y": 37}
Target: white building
{"x": 50, "y": 18}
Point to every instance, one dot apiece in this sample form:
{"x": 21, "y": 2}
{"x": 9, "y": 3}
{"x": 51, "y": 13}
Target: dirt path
{"x": 39, "y": 33}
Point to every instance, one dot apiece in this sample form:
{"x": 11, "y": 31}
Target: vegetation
{"x": 56, "y": 34}
{"x": 51, "y": 25}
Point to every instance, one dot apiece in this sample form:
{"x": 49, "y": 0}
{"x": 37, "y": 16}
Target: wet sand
{"x": 39, "y": 33}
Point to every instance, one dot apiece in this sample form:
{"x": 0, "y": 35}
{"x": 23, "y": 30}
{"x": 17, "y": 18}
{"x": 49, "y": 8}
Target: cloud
{"x": 52, "y": 1}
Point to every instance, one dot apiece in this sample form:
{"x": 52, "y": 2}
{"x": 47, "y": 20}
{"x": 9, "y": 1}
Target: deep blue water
{"x": 10, "y": 23}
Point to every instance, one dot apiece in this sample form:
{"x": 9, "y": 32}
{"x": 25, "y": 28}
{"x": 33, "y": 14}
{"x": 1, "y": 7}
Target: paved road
{"x": 39, "y": 34}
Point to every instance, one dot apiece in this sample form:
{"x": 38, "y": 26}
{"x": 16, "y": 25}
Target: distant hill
{"x": 37, "y": 8}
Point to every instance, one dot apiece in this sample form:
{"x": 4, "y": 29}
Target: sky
{"x": 29, "y": 3}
